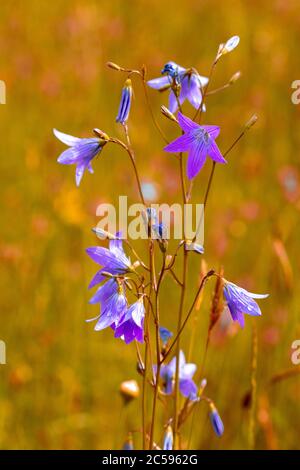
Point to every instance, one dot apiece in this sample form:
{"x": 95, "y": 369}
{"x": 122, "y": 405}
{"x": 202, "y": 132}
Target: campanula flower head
{"x": 187, "y": 386}
{"x": 184, "y": 84}
{"x": 131, "y": 326}
{"x": 113, "y": 305}
{"x": 125, "y": 102}
{"x": 199, "y": 142}
{"x": 113, "y": 260}
{"x": 81, "y": 151}
{"x": 240, "y": 301}
{"x": 216, "y": 421}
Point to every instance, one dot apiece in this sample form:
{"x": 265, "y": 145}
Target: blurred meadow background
{"x": 60, "y": 386}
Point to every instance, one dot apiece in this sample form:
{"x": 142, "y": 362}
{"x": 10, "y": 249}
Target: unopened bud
{"x": 103, "y": 234}
{"x": 113, "y": 66}
{"x": 235, "y": 78}
{"x": 167, "y": 113}
{"x": 129, "y": 389}
{"x": 251, "y": 121}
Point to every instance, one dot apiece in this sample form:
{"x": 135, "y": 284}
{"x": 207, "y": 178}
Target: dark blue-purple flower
{"x": 189, "y": 82}
{"x": 131, "y": 326}
{"x": 165, "y": 334}
{"x": 199, "y": 142}
{"x": 125, "y": 102}
{"x": 216, "y": 421}
{"x": 113, "y": 260}
{"x": 240, "y": 301}
{"x": 81, "y": 151}
{"x": 187, "y": 386}
{"x": 113, "y": 305}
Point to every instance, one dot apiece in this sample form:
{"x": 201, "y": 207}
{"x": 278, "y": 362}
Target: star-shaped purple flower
{"x": 240, "y": 301}
{"x": 187, "y": 386}
{"x": 189, "y": 81}
{"x": 199, "y": 142}
{"x": 113, "y": 260}
{"x": 131, "y": 326}
{"x": 80, "y": 153}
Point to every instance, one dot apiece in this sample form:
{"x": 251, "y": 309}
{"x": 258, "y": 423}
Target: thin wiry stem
{"x": 132, "y": 158}
{"x": 202, "y": 284}
{"x": 211, "y": 176}
{"x": 161, "y": 132}
{"x": 158, "y": 349}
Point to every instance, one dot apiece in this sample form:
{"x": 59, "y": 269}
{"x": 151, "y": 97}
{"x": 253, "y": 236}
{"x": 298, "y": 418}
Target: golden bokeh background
{"x": 59, "y": 388}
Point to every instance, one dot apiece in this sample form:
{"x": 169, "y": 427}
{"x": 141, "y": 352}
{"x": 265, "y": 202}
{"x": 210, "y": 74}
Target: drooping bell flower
{"x": 131, "y": 326}
{"x": 188, "y": 82}
{"x": 81, "y": 151}
{"x": 240, "y": 302}
{"x": 113, "y": 260}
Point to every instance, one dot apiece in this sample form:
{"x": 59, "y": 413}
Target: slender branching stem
{"x": 158, "y": 349}
{"x": 202, "y": 284}
{"x": 132, "y": 159}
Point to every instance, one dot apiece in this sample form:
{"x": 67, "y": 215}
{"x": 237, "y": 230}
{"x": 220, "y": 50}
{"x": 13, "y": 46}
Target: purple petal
{"x": 196, "y": 159}
{"x": 188, "y": 388}
{"x": 181, "y": 144}
{"x": 214, "y": 153}
{"x": 97, "y": 278}
{"x": 186, "y": 123}
{"x": 106, "y": 258}
{"x": 160, "y": 83}
{"x": 188, "y": 371}
{"x": 79, "y": 172}
{"x": 194, "y": 94}
{"x": 66, "y": 138}
{"x": 104, "y": 292}
{"x": 173, "y": 102}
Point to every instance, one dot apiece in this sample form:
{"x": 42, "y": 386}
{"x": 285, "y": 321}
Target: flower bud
{"x": 113, "y": 66}
{"x": 235, "y": 78}
{"x": 251, "y": 121}
{"x": 216, "y": 421}
{"x": 165, "y": 111}
{"x": 125, "y": 103}
{"x": 129, "y": 389}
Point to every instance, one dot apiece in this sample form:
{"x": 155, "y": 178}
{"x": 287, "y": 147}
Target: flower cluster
{"x": 128, "y": 292}
{"x": 126, "y": 321}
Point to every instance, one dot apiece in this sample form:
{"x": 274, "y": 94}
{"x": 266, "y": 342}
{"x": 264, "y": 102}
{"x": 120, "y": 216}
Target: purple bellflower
{"x": 81, "y": 151}
{"x": 125, "y": 102}
{"x": 188, "y": 81}
{"x": 113, "y": 305}
{"x": 199, "y": 141}
{"x": 240, "y": 301}
{"x": 113, "y": 260}
{"x": 187, "y": 386}
{"x": 131, "y": 326}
